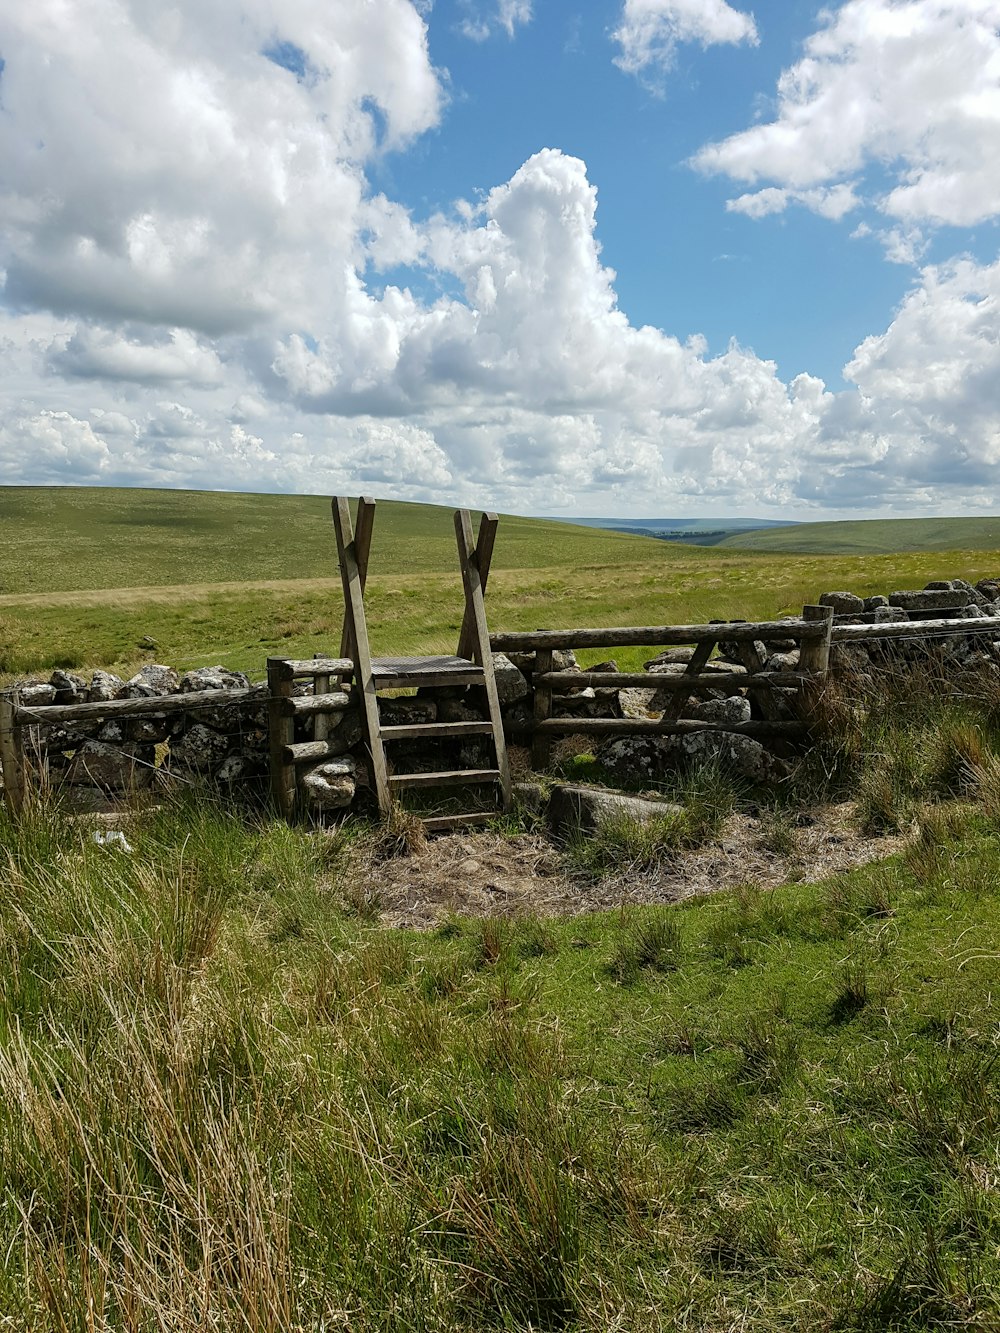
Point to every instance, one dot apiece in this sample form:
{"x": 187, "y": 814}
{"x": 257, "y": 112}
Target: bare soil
{"x": 488, "y": 874}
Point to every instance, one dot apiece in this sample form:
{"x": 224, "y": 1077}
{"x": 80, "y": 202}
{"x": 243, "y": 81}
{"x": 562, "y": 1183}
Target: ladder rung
{"x": 406, "y": 730}
{"x": 403, "y": 680}
{"x": 436, "y": 823}
{"x": 304, "y": 705}
{"x": 454, "y": 778}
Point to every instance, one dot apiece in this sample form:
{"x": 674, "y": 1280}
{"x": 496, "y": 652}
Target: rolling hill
{"x": 872, "y": 536}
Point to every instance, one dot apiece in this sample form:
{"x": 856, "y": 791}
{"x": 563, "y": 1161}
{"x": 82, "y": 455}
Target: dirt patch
{"x": 488, "y": 874}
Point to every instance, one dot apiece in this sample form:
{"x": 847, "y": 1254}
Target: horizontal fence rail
{"x": 915, "y": 629}
{"x": 738, "y": 631}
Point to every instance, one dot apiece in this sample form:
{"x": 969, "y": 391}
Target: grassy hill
{"x": 55, "y": 538}
{"x": 88, "y": 575}
{"x": 874, "y": 536}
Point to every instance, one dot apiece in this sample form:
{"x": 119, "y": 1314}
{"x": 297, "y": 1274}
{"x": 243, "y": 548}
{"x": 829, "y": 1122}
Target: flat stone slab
{"x": 929, "y": 599}
{"x": 571, "y": 808}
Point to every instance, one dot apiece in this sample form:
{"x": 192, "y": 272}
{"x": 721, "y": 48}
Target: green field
{"x": 232, "y": 1098}
{"x": 88, "y": 574}
{"x": 875, "y": 536}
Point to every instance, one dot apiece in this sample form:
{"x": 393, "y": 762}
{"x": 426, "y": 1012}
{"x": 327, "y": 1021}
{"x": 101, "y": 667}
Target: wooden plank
{"x": 631, "y": 726}
{"x": 655, "y": 636}
{"x": 417, "y": 667}
{"x": 362, "y": 550}
{"x": 405, "y": 731}
{"x": 444, "y": 823}
{"x": 321, "y": 722}
{"x": 157, "y": 703}
{"x": 289, "y": 667}
{"x": 698, "y": 660}
{"x": 569, "y": 682}
{"x": 456, "y": 777}
{"x": 488, "y": 524}
{"x": 306, "y": 705}
{"x": 480, "y": 637}
{"x": 914, "y": 629}
{"x": 407, "y": 680}
{"x": 11, "y": 757}
{"x": 302, "y": 752}
{"x": 354, "y": 612}
{"x": 814, "y": 655}
{"x": 541, "y": 746}
{"x": 280, "y": 733}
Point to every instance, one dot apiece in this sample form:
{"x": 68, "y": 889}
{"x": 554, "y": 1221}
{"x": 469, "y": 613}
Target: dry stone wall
{"x": 224, "y": 738}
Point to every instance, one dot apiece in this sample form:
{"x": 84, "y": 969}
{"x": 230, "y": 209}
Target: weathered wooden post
{"x": 11, "y": 755}
{"x": 541, "y": 744}
{"x": 280, "y": 733}
{"x": 814, "y": 653}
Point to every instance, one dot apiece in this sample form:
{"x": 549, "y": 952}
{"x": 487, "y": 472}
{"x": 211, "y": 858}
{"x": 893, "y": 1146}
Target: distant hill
{"x": 690, "y": 531}
{"x": 876, "y": 536}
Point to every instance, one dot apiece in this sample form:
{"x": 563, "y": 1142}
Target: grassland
{"x": 88, "y": 575}
{"x": 872, "y": 537}
{"x": 232, "y": 1099}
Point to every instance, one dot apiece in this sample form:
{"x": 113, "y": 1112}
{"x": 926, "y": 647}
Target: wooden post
{"x": 362, "y": 551}
{"x": 814, "y": 654}
{"x": 478, "y": 633}
{"x": 321, "y": 721}
{"x": 11, "y": 756}
{"x": 280, "y": 732}
{"x": 485, "y": 542}
{"x": 356, "y": 628}
{"x": 703, "y": 651}
{"x": 541, "y": 745}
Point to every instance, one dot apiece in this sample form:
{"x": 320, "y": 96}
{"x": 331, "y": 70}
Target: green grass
{"x": 230, "y": 1100}
{"x": 238, "y": 578}
{"x": 877, "y": 536}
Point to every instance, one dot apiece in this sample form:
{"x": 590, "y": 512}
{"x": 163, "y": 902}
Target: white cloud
{"x": 651, "y": 30}
{"x": 195, "y": 252}
{"x": 908, "y": 87}
{"x": 833, "y": 202}
{"x": 483, "y": 19}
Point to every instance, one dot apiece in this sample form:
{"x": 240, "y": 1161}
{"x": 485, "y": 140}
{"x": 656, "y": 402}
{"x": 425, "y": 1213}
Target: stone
{"x": 990, "y": 589}
{"x": 741, "y": 754}
{"x": 199, "y": 749}
{"x": 734, "y": 709}
{"x": 347, "y": 732}
{"x": 407, "y": 711}
{"x": 783, "y": 661}
{"x": 572, "y": 808}
{"x": 873, "y": 603}
{"x": 151, "y": 680}
{"x": 637, "y": 758}
{"x": 932, "y": 599}
{"x": 459, "y": 710}
{"x": 331, "y": 785}
{"x": 111, "y": 767}
{"x": 511, "y": 685}
{"x": 69, "y": 687}
{"x": 637, "y": 702}
{"x": 939, "y": 585}
{"x": 530, "y": 796}
{"x": 104, "y": 687}
{"x": 525, "y": 662}
{"x": 151, "y": 730}
{"x": 212, "y": 678}
{"x": 843, "y": 603}
{"x": 881, "y": 615}
{"x": 669, "y": 656}
{"x": 564, "y": 659}
{"x": 849, "y": 659}
{"x": 775, "y": 646}
{"x": 35, "y": 694}
{"x": 975, "y": 597}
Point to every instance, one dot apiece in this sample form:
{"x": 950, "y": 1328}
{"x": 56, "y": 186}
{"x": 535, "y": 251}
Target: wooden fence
{"x": 811, "y": 632}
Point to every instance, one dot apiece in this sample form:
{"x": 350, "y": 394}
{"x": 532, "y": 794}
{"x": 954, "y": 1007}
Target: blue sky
{"x": 683, "y": 256}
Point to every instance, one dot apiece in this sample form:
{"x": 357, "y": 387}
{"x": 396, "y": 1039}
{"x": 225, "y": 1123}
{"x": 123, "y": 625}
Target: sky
{"x": 626, "y": 257}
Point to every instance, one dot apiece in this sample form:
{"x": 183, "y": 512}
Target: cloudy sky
{"x": 657, "y": 257}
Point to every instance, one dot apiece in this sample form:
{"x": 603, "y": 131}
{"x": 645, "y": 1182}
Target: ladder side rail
{"x": 362, "y": 550}
{"x": 354, "y": 621}
{"x": 488, "y": 524}
{"x": 476, "y": 611}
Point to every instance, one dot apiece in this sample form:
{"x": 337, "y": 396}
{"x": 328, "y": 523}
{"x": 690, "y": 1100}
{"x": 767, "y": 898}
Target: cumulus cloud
{"x": 650, "y": 30}
{"x": 194, "y": 294}
{"x": 910, "y": 87}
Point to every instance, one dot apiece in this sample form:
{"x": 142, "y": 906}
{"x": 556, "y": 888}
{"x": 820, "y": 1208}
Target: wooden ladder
{"x": 472, "y": 664}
